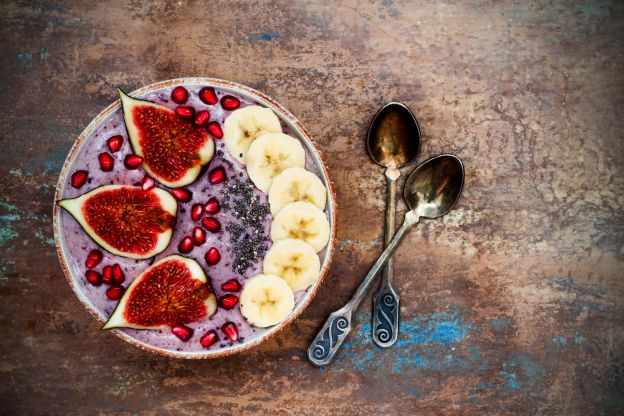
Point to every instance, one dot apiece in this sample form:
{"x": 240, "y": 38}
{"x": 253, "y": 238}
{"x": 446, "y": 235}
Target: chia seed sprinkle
{"x": 248, "y": 237}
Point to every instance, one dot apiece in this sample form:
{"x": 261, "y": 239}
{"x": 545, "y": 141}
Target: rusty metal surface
{"x": 524, "y": 315}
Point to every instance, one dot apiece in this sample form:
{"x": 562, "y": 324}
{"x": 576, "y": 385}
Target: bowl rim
{"x": 283, "y": 114}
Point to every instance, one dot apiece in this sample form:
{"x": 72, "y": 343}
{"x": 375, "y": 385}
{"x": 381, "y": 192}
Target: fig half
{"x": 173, "y": 291}
{"x": 173, "y": 149}
{"x": 126, "y": 220}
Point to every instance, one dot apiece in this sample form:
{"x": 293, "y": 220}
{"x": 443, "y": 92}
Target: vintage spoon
{"x": 430, "y": 192}
{"x": 393, "y": 141}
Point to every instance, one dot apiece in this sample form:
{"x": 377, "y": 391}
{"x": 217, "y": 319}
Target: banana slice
{"x": 266, "y": 300}
{"x": 269, "y": 155}
{"x": 294, "y": 261}
{"x": 243, "y": 126}
{"x": 301, "y": 221}
{"x": 296, "y": 184}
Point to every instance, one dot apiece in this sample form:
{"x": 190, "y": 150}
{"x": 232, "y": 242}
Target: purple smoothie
{"x": 77, "y": 243}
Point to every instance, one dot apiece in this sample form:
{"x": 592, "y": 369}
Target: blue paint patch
{"x": 262, "y": 36}
{"x": 559, "y": 341}
{"x": 44, "y": 238}
{"x": 562, "y": 342}
{"x": 426, "y": 342}
{"x": 8, "y": 218}
{"x": 586, "y": 297}
{"x": 501, "y": 324}
{"x": 510, "y": 379}
{"x": 520, "y": 371}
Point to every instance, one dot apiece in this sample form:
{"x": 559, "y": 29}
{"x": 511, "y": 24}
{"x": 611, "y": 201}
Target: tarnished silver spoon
{"x": 430, "y": 192}
{"x": 393, "y": 141}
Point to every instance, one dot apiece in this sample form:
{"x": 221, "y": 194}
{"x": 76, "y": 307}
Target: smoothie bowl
{"x": 195, "y": 218}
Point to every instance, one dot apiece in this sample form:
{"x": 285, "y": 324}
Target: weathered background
{"x": 514, "y": 304}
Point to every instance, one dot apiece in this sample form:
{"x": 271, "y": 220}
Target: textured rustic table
{"x": 513, "y": 304}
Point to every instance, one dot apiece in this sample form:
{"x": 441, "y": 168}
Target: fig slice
{"x": 126, "y": 220}
{"x": 173, "y": 291}
{"x": 173, "y": 149}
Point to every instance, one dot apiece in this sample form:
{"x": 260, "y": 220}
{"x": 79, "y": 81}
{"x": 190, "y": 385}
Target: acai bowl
{"x": 221, "y": 215}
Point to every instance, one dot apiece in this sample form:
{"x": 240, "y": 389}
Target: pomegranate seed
{"x": 199, "y": 236}
{"x": 115, "y": 292}
{"x": 182, "y": 194}
{"x": 215, "y": 130}
{"x": 229, "y": 102}
{"x": 106, "y": 162}
{"x": 213, "y": 206}
{"x": 209, "y": 338}
{"x": 179, "y": 95}
{"x": 212, "y": 256}
{"x": 211, "y": 224}
{"x": 217, "y": 175}
{"x": 114, "y": 143}
{"x": 228, "y": 301}
{"x": 183, "y": 332}
{"x": 133, "y": 161}
{"x": 79, "y": 178}
{"x": 93, "y": 258}
{"x": 185, "y": 112}
{"x": 107, "y": 275}
{"x": 230, "y": 330}
{"x": 118, "y": 274}
{"x": 147, "y": 183}
{"x": 197, "y": 211}
{"x": 93, "y": 277}
{"x": 231, "y": 285}
{"x": 208, "y": 95}
{"x": 185, "y": 245}
{"x": 201, "y": 118}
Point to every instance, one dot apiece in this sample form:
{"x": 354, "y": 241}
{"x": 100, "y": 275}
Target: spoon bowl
{"x": 435, "y": 185}
{"x": 393, "y": 136}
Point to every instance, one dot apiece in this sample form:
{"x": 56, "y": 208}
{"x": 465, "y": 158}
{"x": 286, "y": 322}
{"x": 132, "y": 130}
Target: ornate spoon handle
{"x": 331, "y": 336}
{"x": 386, "y": 299}
{"x": 385, "y": 316}
{"x": 338, "y": 325}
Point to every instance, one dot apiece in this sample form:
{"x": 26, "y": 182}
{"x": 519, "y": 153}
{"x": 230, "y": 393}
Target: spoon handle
{"x": 339, "y": 324}
{"x": 386, "y": 299}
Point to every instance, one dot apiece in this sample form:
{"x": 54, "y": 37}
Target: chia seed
{"x": 248, "y": 236}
